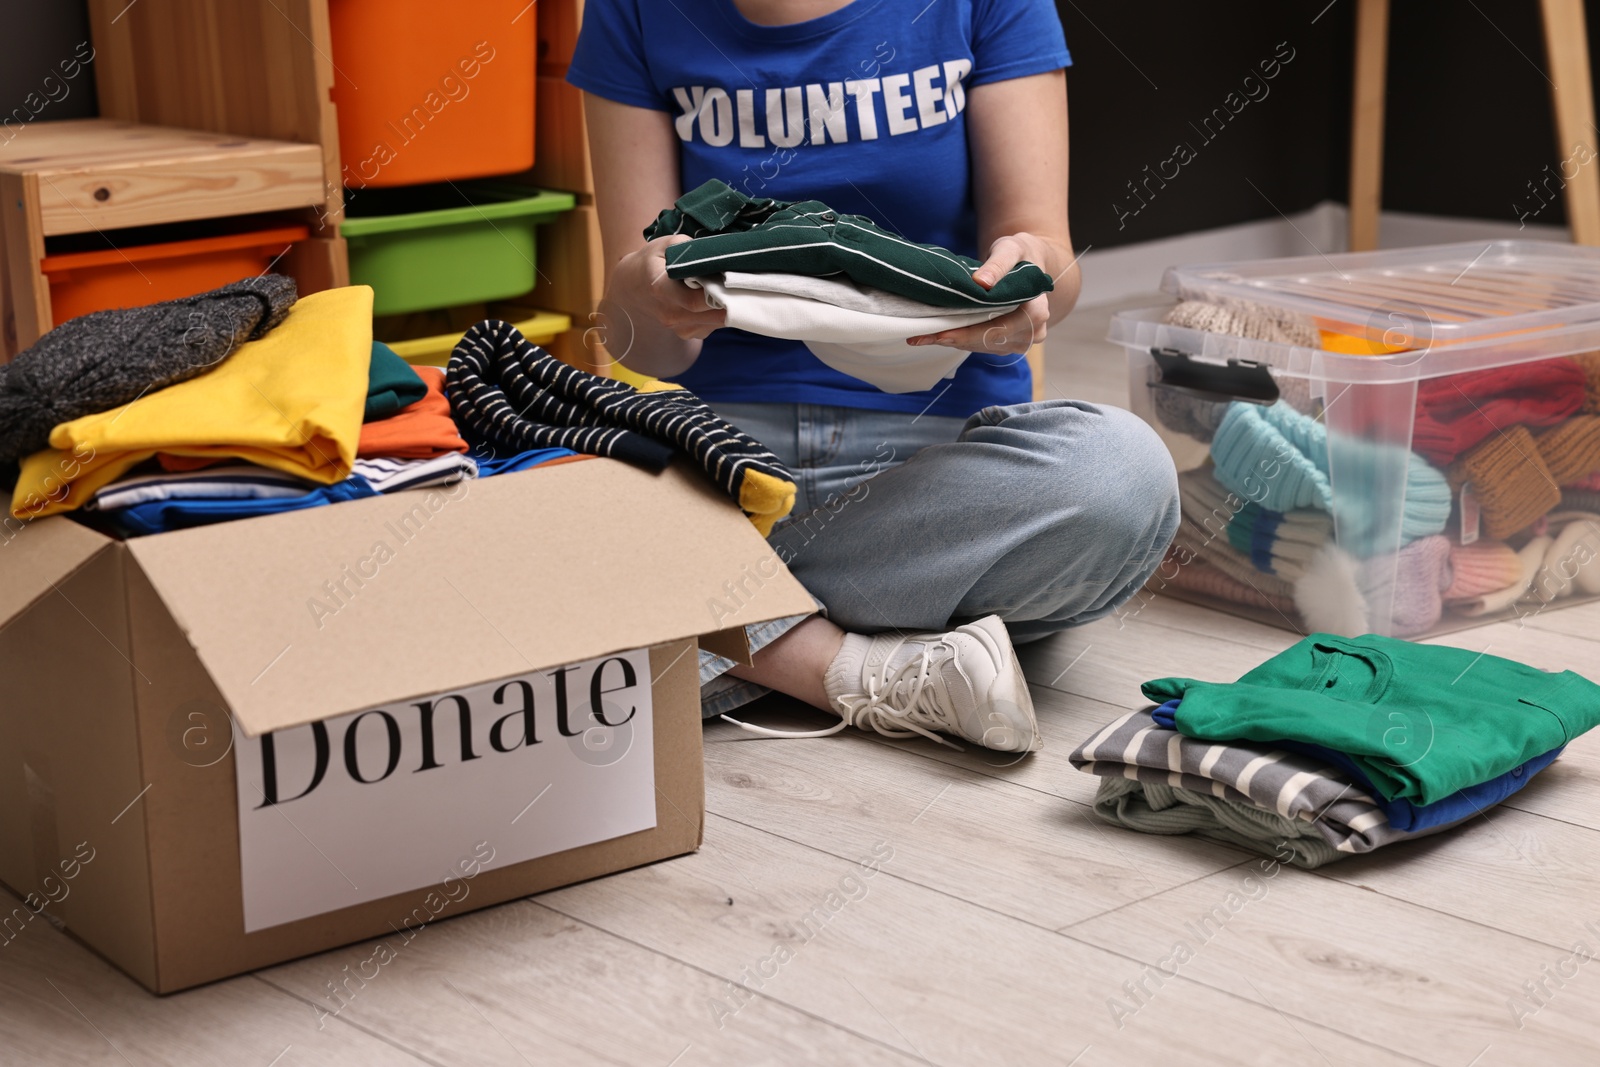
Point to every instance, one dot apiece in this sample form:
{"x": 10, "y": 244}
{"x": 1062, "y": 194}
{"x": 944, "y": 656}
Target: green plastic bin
{"x": 432, "y": 246}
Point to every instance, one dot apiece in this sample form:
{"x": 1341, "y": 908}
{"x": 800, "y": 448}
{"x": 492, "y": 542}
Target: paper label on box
{"x": 429, "y": 792}
{"x": 1469, "y": 515}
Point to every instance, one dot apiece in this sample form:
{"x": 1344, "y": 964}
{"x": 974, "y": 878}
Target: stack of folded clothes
{"x": 1506, "y": 459}
{"x": 1336, "y": 746}
{"x": 286, "y": 395}
{"x": 234, "y": 404}
{"x": 406, "y": 440}
{"x": 851, "y": 291}
{"x": 246, "y": 402}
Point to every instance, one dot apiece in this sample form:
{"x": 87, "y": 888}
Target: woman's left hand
{"x": 1012, "y": 333}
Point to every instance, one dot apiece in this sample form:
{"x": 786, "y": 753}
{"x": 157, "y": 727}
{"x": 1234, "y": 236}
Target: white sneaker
{"x": 965, "y": 682}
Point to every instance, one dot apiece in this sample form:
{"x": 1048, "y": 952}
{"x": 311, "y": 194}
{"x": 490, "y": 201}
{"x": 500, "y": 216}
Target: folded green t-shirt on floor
{"x": 1423, "y": 721}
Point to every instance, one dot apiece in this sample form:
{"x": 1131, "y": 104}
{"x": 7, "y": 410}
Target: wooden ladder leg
{"x": 1567, "y": 49}
{"x": 1366, "y": 123}
{"x": 22, "y": 237}
{"x": 8, "y": 320}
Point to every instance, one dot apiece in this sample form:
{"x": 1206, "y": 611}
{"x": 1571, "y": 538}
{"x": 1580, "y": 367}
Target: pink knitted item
{"x": 1422, "y": 573}
{"x": 1481, "y": 568}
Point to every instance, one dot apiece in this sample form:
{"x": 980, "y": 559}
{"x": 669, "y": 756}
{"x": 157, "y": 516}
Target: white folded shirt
{"x": 226, "y": 481}
{"x": 247, "y": 481}
{"x": 388, "y": 475}
{"x": 856, "y": 330}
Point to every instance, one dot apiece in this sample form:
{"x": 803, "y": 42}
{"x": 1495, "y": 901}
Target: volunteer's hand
{"x": 1014, "y": 332}
{"x": 640, "y": 286}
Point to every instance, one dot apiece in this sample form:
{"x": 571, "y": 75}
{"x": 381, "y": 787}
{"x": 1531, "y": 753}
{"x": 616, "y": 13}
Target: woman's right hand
{"x": 640, "y": 287}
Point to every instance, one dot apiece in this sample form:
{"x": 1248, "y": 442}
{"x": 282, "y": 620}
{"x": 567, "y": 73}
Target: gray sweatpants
{"x": 1048, "y": 514}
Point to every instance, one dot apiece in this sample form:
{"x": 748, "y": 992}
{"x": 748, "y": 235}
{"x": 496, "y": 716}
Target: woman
{"x": 964, "y": 512}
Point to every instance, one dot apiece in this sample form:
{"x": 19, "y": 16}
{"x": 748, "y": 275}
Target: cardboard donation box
{"x": 225, "y": 747}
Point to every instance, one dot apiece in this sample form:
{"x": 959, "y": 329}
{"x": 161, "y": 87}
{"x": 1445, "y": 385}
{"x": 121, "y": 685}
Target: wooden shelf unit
{"x": 208, "y": 109}
{"x": 94, "y": 175}
{"x": 571, "y": 263}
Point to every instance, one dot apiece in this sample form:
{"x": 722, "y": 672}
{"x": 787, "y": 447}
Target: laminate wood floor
{"x": 1002, "y": 924}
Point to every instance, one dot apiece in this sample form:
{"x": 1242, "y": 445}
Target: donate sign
{"x": 383, "y": 801}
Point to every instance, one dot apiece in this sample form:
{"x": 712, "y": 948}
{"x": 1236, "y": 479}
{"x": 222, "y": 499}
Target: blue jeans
{"x": 1048, "y": 514}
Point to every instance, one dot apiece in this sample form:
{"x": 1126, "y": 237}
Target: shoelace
{"x": 886, "y": 706}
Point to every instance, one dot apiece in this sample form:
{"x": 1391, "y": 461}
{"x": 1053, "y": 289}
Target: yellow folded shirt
{"x": 291, "y": 401}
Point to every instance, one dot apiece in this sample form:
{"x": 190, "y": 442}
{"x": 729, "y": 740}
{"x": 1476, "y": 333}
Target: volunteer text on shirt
{"x": 924, "y": 97}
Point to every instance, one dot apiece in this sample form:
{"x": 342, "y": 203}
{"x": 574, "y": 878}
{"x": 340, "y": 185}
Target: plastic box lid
{"x": 1452, "y": 293}
{"x": 1402, "y": 315}
{"x": 1142, "y": 328}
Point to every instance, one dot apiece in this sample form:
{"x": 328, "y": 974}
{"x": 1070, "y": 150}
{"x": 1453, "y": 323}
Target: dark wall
{"x": 36, "y": 37}
{"x": 1146, "y": 78}
{"x": 1468, "y": 117}
{"x": 1470, "y": 120}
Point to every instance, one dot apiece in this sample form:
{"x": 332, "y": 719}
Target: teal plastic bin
{"x": 432, "y": 246}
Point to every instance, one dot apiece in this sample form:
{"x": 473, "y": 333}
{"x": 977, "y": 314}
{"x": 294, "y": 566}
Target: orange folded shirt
{"x": 422, "y": 431}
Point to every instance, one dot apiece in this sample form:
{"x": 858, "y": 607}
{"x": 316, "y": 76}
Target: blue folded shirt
{"x": 160, "y": 516}
{"x": 489, "y": 464}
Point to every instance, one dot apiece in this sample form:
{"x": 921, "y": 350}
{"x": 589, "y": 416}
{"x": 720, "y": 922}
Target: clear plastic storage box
{"x": 1394, "y": 442}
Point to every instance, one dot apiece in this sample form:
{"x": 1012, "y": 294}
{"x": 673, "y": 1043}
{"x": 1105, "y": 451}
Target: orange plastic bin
{"x": 431, "y": 93}
{"x": 81, "y": 282}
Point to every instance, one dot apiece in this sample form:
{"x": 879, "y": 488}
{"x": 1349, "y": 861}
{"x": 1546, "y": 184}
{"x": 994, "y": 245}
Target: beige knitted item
{"x": 1256, "y": 322}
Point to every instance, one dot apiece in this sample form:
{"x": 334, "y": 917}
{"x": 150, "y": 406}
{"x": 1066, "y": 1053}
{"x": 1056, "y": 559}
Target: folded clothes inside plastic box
{"x": 1439, "y": 407}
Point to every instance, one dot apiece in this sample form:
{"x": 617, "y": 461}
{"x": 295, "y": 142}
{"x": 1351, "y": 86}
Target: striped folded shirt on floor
{"x": 1286, "y": 784}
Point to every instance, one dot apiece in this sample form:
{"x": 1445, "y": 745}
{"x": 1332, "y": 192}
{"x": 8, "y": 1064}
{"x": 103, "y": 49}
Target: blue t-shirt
{"x": 863, "y": 109}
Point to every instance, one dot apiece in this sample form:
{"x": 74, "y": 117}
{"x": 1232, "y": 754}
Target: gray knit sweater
{"x": 101, "y": 360}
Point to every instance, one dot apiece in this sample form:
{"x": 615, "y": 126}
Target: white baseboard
{"x": 1117, "y": 274}
{"x": 1401, "y": 230}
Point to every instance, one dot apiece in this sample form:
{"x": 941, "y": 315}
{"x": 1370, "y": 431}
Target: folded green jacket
{"x": 1423, "y": 721}
{"x": 731, "y": 231}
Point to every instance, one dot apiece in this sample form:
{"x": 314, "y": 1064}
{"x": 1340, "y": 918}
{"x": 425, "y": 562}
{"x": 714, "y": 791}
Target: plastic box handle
{"x": 1238, "y": 379}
